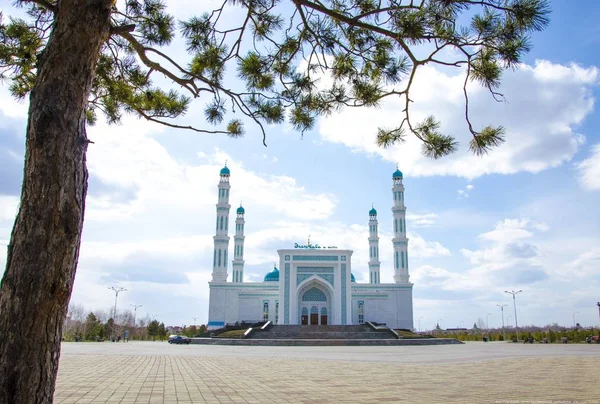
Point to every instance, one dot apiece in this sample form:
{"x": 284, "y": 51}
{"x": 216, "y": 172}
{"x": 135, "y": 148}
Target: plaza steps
{"x": 325, "y": 342}
{"x": 323, "y": 332}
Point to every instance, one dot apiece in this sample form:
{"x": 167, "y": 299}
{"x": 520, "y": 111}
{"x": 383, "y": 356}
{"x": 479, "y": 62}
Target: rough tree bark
{"x": 44, "y": 246}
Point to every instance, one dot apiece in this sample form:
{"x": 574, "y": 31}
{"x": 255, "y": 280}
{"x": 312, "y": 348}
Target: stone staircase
{"x": 323, "y": 332}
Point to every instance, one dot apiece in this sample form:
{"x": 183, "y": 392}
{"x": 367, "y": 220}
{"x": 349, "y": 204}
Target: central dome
{"x": 225, "y": 171}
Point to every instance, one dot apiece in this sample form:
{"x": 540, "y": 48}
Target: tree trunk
{"x": 44, "y": 246}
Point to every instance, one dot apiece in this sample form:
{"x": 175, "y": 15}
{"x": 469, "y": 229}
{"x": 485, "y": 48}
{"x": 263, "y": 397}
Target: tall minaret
{"x": 400, "y": 241}
{"x": 221, "y": 238}
{"x": 373, "y": 248}
{"x": 238, "y": 246}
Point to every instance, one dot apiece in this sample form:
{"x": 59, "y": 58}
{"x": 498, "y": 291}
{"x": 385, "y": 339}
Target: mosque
{"x": 315, "y": 285}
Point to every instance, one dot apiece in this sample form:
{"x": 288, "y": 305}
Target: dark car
{"x": 179, "y": 339}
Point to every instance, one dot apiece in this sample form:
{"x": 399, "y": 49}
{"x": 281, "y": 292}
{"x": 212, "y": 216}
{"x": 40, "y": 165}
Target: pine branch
{"x": 47, "y": 4}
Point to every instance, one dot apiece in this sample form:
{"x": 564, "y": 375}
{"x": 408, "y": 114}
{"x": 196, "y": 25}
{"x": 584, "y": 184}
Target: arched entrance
{"x": 314, "y": 303}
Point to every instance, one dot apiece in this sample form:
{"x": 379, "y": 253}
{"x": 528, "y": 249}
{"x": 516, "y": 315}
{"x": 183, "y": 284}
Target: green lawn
{"x": 231, "y": 334}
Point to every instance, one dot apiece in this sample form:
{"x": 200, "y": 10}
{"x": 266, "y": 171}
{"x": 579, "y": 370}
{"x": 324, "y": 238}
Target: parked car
{"x": 179, "y": 339}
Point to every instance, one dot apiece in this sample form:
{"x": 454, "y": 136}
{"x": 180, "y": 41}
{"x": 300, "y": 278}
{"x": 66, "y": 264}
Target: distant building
{"x": 316, "y": 285}
{"x": 174, "y": 329}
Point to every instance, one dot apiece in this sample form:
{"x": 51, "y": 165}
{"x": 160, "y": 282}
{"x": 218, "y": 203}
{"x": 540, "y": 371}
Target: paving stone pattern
{"x": 161, "y": 378}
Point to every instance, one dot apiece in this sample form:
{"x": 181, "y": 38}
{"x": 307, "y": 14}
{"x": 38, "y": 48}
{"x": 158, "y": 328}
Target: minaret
{"x": 221, "y": 238}
{"x": 238, "y": 246}
{"x": 400, "y": 241}
{"x": 373, "y": 248}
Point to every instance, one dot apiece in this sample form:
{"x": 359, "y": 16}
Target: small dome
{"x": 352, "y": 278}
{"x": 240, "y": 210}
{"x": 372, "y": 212}
{"x": 225, "y": 171}
{"x": 272, "y": 276}
{"x": 397, "y": 174}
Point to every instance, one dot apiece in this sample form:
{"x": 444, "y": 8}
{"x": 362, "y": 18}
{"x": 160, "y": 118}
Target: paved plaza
{"x": 155, "y": 372}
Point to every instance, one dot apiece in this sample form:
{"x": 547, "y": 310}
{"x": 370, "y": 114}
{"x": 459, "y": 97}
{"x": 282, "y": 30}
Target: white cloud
{"x": 429, "y": 276}
{"x": 589, "y": 170}
{"x": 585, "y": 264}
{"x": 8, "y": 207}
{"x": 509, "y": 230}
{"x": 464, "y": 193}
{"x": 421, "y": 219}
{"x": 420, "y": 248}
{"x": 544, "y": 105}
{"x": 131, "y": 159}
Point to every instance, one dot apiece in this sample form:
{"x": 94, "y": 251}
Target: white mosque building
{"x": 315, "y": 285}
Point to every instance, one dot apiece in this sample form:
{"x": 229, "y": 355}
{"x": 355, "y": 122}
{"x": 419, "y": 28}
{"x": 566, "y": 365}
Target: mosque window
{"x": 396, "y": 259}
{"x": 266, "y": 310}
{"x": 402, "y": 257}
{"x": 361, "y": 312}
{"x": 276, "y": 311}
{"x": 215, "y": 259}
{"x": 396, "y": 225}
{"x": 225, "y": 258}
{"x": 314, "y": 295}
{"x": 401, "y": 226}
{"x": 219, "y": 260}
{"x": 221, "y": 223}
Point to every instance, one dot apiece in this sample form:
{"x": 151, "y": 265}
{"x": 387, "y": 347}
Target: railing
{"x": 384, "y": 328}
{"x": 248, "y": 332}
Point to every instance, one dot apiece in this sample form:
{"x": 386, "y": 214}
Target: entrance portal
{"x": 314, "y": 307}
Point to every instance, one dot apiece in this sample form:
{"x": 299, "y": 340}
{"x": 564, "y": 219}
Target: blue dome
{"x": 272, "y": 276}
{"x": 397, "y": 174}
{"x": 240, "y": 210}
{"x": 352, "y": 278}
{"x": 372, "y": 212}
{"x": 225, "y": 171}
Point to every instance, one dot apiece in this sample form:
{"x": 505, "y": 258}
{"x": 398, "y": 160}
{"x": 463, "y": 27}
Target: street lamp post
{"x": 116, "y": 296}
{"x": 598, "y": 304}
{"x": 574, "y": 323}
{"x": 420, "y": 323}
{"x": 487, "y": 324}
{"x": 502, "y": 306}
{"x": 115, "y": 311}
{"x": 438, "y": 323}
{"x": 513, "y": 293}
{"x": 135, "y": 307}
{"x": 194, "y": 318}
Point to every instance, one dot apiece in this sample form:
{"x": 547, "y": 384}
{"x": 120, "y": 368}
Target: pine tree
{"x": 81, "y": 60}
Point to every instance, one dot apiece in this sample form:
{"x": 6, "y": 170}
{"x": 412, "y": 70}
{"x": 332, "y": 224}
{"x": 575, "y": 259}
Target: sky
{"x": 524, "y": 217}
